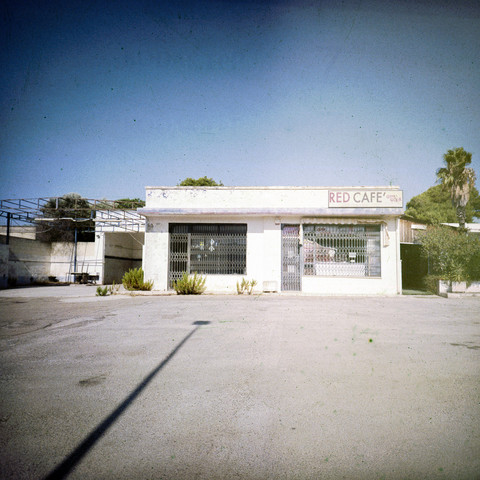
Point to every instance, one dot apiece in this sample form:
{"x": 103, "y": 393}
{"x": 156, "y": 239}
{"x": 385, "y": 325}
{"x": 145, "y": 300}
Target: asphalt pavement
{"x": 238, "y": 387}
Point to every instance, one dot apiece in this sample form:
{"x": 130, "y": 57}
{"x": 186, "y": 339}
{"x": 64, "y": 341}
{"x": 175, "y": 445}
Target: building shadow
{"x": 64, "y": 468}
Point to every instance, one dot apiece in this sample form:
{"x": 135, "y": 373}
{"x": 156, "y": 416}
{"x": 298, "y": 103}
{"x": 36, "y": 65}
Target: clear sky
{"x": 103, "y": 98}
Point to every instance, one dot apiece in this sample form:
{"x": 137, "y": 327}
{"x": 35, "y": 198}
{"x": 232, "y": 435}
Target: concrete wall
{"x": 25, "y": 231}
{"x": 28, "y": 261}
{"x": 25, "y": 261}
{"x": 62, "y": 260}
{"x": 123, "y": 251}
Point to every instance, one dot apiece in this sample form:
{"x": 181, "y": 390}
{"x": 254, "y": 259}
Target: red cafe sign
{"x": 365, "y": 198}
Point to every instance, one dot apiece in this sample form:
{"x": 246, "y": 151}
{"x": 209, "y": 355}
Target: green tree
{"x": 453, "y": 255}
{"x": 62, "y": 216}
{"x": 434, "y": 206}
{"x": 199, "y": 182}
{"x": 458, "y": 180}
{"x": 129, "y": 203}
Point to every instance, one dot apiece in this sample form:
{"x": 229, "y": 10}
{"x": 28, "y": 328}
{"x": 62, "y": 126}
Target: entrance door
{"x": 291, "y": 264}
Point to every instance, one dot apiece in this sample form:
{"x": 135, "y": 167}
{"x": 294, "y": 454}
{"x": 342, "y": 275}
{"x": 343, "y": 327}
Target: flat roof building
{"x": 319, "y": 240}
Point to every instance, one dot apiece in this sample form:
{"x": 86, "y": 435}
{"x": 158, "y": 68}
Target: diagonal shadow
{"x": 64, "y": 468}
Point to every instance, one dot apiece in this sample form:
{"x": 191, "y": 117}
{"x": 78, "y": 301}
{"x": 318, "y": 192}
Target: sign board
{"x": 365, "y": 198}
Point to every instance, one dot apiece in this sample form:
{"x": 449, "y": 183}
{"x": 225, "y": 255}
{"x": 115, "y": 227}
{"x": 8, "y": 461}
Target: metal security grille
{"x": 219, "y": 249}
{"x": 342, "y": 250}
{"x": 291, "y": 269}
{"x": 178, "y": 258}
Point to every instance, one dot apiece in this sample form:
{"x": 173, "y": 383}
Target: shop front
{"x": 314, "y": 240}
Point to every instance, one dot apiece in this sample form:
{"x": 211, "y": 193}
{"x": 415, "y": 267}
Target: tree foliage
{"x": 453, "y": 255}
{"x": 63, "y": 215}
{"x": 199, "y": 182}
{"x": 458, "y": 180}
{"x": 434, "y": 206}
{"x": 129, "y": 203}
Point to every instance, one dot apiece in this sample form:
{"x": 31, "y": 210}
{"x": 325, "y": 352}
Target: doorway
{"x": 291, "y": 258}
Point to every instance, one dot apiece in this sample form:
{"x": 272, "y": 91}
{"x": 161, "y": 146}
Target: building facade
{"x": 319, "y": 240}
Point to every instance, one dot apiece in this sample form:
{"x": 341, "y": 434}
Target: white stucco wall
{"x": 155, "y": 260}
{"x": 155, "y": 253}
{"x": 303, "y": 198}
{"x": 264, "y": 258}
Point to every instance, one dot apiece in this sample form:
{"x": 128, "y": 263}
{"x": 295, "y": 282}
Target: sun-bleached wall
{"x": 25, "y": 261}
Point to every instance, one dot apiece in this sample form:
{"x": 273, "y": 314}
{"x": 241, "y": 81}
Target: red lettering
{"x": 346, "y": 197}
{"x": 332, "y": 197}
{"x": 339, "y": 197}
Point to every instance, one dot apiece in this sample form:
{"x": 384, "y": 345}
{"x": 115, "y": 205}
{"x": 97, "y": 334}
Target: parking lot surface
{"x": 238, "y": 387}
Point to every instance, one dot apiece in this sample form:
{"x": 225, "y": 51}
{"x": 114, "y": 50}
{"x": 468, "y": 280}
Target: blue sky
{"x": 104, "y": 98}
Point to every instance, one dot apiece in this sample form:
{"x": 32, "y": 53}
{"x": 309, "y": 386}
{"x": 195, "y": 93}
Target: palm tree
{"x": 458, "y": 180}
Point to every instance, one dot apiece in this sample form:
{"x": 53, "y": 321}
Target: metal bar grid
{"x": 220, "y": 254}
{"x": 178, "y": 262}
{"x": 108, "y": 214}
{"x": 291, "y": 258}
{"x": 342, "y": 250}
{"x": 213, "y": 249}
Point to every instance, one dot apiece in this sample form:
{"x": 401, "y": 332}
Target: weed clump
{"x": 246, "y": 286}
{"x": 190, "y": 284}
{"x": 108, "y": 290}
{"x": 102, "y": 292}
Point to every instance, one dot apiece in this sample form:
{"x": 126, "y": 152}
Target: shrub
{"x": 453, "y": 255}
{"x": 430, "y": 283}
{"x": 133, "y": 280}
{"x": 190, "y": 285}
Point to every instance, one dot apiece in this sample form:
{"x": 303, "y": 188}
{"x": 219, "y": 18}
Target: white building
{"x": 307, "y": 239}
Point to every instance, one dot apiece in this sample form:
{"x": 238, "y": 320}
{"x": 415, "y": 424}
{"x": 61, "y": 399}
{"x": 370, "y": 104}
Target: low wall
{"x": 445, "y": 287}
{"x": 28, "y": 261}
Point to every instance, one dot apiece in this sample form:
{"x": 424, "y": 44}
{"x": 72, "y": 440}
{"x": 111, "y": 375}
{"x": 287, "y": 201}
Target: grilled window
{"x": 207, "y": 248}
{"x": 342, "y": 250}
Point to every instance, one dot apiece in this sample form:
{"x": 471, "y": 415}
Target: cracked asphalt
{"x": 247, "y": 387}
